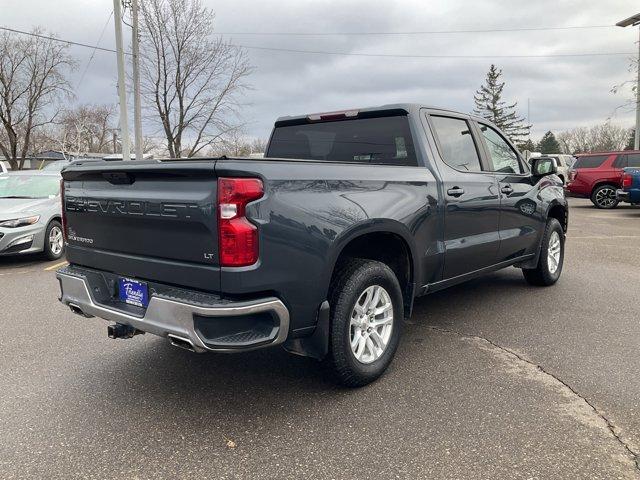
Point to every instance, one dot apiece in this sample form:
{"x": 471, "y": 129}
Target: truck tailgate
{"x": 148, "y": 220}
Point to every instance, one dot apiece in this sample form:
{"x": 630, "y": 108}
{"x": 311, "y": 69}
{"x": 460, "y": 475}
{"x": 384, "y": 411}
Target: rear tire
{"x": 361, "y": 343}
{"x": 604, "y": 196}
{"x": 549, "y": 267}
{"x": 53, "y": 241}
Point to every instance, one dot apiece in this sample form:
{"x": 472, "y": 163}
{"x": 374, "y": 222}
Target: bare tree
{"x": 85, "y": 128}
{"x": 32, "y": 80}
{"x": 598, "y": 138}
{"x": 236, "y": 144}
{"x": 628, "y": 88}
{"x": 190, "y": 81}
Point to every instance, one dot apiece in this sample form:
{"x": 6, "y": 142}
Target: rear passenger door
{"x": 520, "y": 216}
{"x": 470, "y": 196}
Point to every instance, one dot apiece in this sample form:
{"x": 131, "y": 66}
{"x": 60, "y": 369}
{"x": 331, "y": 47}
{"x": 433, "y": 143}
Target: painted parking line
{"x": 56, "y": 266}
{"x": 18, "y": 272}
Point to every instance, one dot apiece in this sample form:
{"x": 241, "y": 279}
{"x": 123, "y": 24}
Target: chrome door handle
{"x": 507, "y": 190}
{"x": 455, "y": 191}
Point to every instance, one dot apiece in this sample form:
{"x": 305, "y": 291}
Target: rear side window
{"x": 633, "y": 160}
{"x": 458, "y": 148}
{"x": 380, "y": 140}
{"x": 620, "y": 161}
{"x": 592, "y": 161}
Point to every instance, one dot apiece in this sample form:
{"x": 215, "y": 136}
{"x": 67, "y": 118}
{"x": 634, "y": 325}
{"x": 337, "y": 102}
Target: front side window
{"x": 620, "y": 161}
{"x": 458, "y": 148}
{"x": 503, "y": 158}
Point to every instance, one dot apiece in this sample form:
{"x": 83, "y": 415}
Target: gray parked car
{"x": 30, "y": 214}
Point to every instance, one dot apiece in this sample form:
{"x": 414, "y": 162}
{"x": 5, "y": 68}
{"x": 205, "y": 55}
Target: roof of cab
{"x": 409, "y": 108}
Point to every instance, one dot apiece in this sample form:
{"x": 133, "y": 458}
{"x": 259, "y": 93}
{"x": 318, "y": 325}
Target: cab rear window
{"x": 378, "y": 140}
{"x": 592, "y": 161}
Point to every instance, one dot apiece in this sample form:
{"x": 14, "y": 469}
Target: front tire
{"x": 551, "y": 259}
{"x": 366, "y": 321}
{"x": 53, "y": 241}
{"x": 604, "y": 197}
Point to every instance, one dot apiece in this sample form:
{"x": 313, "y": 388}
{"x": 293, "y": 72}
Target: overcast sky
{"x": 563, "y": 92}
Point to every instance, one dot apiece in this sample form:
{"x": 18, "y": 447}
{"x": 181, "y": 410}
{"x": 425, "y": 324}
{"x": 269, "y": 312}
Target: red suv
{"x": 598, "y": 175}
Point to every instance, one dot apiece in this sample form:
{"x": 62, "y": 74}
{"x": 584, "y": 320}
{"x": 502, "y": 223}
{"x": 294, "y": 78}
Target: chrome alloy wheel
{"x": 371, "y": 324}
{"x": 606, "y": 197}
{"x": 553, "y": 252}
{"x": 56, "y": 241}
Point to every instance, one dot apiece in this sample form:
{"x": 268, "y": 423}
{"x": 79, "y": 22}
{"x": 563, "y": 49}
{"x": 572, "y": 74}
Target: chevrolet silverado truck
{"x": 321, "y": 246}
{"x": 630, "y": 191}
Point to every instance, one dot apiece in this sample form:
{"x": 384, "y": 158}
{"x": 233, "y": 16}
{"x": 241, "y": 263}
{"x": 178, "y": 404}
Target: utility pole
{"x": 633, "y": 21}
{"x": 636, "y": 142}
{"x": 135, "y": 45}
{"x": 122, "y": 92}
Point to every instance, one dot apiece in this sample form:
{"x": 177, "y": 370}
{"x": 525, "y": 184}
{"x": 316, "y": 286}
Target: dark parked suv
{"x": 598, "y": 175}
{"x": 322, "y": 247}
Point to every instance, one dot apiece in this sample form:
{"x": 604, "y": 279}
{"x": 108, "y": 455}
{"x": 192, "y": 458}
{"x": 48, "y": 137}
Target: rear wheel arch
{"x": 386, "y": 244}
{"x": 600, "y": 183}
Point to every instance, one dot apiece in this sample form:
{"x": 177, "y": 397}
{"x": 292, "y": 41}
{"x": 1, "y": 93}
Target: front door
{"x": 471, "y": 198}
{"x": 520, "y": 208}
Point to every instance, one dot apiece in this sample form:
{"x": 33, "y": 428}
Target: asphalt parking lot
{"x": 494, "y": 379}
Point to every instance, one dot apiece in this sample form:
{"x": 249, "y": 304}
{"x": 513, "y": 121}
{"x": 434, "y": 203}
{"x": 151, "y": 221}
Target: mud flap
{"x": 315, "y": 345}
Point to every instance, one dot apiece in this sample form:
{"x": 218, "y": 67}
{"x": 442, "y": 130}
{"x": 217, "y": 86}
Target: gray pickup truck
{"x": 321, "y": 247}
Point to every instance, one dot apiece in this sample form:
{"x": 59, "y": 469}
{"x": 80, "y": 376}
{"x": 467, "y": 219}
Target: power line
{"x": 353, "y": 54}
{"x": 68, "y": 42}
{"x": 394, "y": 55}
{"x": 94, "y": 49}
{"x": 425, "y": 32}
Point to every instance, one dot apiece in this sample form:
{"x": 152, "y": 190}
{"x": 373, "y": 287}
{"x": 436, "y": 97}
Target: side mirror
{"x": 544, "y": 166}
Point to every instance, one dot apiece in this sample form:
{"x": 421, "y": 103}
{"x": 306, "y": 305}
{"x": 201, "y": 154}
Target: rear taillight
{"x": 627, "y": 180}
{"x": 238, "y": 237}
{"x": 63, "y": 215}
{"x": 572, "y": 175}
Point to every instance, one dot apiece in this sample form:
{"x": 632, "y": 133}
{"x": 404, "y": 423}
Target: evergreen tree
{"x": 549, "y": 144}
{"x": 489, "y": 105}
{"x": 632, "y": 139}
{"x": 527, "y": 145}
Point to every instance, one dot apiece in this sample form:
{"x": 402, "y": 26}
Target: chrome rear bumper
{"x": 175, "y": 319}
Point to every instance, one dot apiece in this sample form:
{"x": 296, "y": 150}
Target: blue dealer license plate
{"x": 133, "y": 292}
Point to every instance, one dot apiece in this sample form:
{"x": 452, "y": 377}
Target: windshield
{"x": 29, "y": 186}
{"x": 385, "y": 140}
